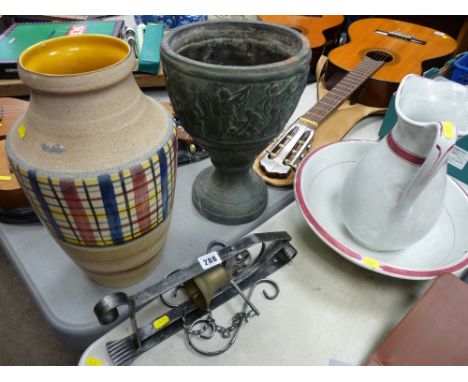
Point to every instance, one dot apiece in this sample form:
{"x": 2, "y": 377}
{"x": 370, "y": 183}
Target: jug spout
{"x": 431, "y": 114}
{"x": 421, "y": 100}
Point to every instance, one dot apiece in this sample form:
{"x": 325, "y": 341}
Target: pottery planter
{"x": 234, "y": 85}
{"x": 95, "y": 156}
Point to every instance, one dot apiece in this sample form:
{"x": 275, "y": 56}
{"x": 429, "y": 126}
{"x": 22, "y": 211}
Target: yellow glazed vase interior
{"x": 65, "y": 56}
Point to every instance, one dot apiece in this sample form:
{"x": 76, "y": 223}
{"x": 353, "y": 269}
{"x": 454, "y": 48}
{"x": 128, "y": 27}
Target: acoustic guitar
{"x": 321, "y": 31}
{"x": 380, "y": 53}
{"x": 11, "y": 195}
{"x": 366, "y": 70}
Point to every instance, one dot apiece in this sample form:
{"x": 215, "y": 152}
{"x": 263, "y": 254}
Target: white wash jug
{"x": 395, "y": 193}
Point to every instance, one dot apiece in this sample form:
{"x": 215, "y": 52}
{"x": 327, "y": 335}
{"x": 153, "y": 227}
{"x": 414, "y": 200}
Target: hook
{"x": 176, "y": 290}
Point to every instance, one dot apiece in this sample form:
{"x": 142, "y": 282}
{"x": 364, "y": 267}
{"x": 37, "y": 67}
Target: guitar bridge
{"x": 287, "y": 150}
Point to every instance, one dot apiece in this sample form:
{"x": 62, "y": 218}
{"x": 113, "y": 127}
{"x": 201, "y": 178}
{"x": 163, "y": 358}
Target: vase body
{"x": 95, "y": 156}
{"x": 395, "y": 194}
{"x": 234, "y": 85}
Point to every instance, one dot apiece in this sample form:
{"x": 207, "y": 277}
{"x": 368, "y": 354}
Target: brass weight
{"x": 202, "y": 288}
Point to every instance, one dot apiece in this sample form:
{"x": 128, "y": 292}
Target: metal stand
{"x": 270, "y": 258}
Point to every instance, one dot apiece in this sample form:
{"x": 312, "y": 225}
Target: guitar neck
{"x": 342, "y": 91}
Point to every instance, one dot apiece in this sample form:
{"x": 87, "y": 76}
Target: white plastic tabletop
{"x": 328, "y": 310}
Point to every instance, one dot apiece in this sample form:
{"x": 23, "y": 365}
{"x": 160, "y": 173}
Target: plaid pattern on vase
{"x": 109, "y": 209}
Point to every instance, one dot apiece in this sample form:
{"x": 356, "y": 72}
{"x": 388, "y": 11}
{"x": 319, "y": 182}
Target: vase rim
{"x": 120, "y": 64}
{"x": 67, "y": 42}
{"x": 302, "y": 52}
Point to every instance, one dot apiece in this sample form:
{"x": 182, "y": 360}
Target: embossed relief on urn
{"x": 234, "y": 85}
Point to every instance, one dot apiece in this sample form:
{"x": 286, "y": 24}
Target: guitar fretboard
{"x": 342, "y": 90}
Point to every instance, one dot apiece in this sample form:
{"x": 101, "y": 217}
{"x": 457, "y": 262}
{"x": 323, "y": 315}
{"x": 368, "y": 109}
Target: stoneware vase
{"x": 234, "y": 85}
{"x": 395, "y": 194}
{"x": 95, "y": 156}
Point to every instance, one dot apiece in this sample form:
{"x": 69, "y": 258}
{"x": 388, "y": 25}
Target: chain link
{"x": 206, "y": 327}
{"x": 236, "y": 320}
{"x": 210, "y": 324}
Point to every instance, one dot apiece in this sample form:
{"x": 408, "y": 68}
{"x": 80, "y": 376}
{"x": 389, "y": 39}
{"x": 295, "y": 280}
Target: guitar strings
{"x": 7, "y": 114}
{"x": 322, "y": 109}
{"x": 349, "y": 84}
{"x": 340, "y": 92}
{"x": 379, "y": 56}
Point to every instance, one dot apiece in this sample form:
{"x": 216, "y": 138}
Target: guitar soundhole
{"x": 379, "y": 55}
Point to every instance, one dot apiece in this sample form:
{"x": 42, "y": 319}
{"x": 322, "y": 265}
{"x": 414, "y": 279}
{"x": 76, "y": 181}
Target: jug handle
{"x": 437, "y": 157}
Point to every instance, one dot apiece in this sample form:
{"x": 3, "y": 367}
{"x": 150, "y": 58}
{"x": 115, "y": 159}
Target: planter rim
{"x": 237, "y": 71}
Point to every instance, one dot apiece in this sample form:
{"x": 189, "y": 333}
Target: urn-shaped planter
{"x": 95, "y": 156}
{"x": 234, "y": 85}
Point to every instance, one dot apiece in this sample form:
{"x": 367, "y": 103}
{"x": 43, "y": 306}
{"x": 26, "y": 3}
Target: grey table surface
{"x": 63, "y": 293}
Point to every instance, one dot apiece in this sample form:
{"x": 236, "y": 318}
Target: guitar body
{"x": 10, "y": 110}
{"x": 11, "y": 194}
{"x": 321, "y": 31}
{"x": 428, "y": 48}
